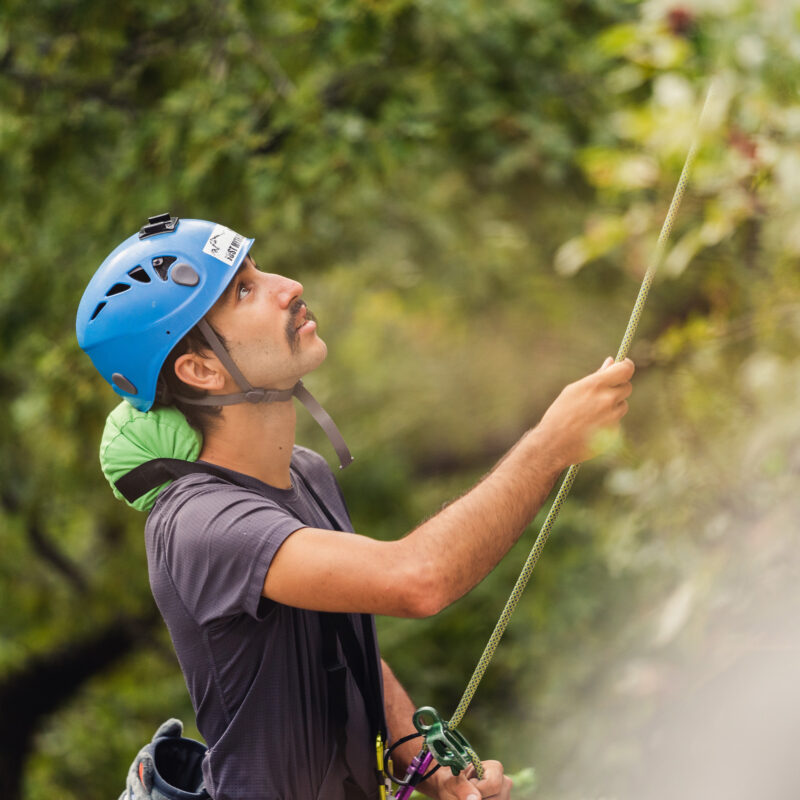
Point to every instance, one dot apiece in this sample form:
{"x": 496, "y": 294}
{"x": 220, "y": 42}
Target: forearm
{"x": 399, "y": 710}
{"x": 482, "y": 525}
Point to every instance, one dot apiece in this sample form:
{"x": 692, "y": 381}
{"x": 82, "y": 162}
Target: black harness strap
{"x": 361, "y": 660}
{"x": 140, "y": 480}
{"x": 336, "y": 671}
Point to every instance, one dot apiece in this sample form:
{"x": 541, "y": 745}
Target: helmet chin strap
{"x": 249, "y": 394}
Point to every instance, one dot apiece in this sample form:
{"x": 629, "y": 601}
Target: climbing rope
{"x": 569, "y": 478}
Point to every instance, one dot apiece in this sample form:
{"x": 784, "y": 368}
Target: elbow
{"x": 425, "y": 594}
{"x": 421, "y": 606}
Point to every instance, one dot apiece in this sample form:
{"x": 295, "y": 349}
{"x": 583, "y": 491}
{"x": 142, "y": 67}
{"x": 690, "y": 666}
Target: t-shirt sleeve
{"x": 219, "y": 547}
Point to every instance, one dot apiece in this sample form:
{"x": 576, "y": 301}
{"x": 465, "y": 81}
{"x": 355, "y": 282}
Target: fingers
{"x": 616, "y": 380}
{"x": 591, "y": 404}
{"x": 614, "y": 383}
{"x": 458, "y": 788}
{"x": 607, "y": 363}
{"x": 614, "y": 373}
{"x": 611, "y": 393}
{"x": 466, "y": 786}
{"x": 619, "y": 393}
{"x": 493, "y": 782}
{"x": 505, "y": 791}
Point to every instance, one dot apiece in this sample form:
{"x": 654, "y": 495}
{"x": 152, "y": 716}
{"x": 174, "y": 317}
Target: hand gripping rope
{"x": 442, "y": 741}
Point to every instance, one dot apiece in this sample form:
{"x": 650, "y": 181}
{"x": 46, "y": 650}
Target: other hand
{"x": 466, "y": 786}
{"x": 585, "y": 407}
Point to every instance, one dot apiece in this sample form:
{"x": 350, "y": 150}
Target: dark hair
{"x": 170, "y": 387}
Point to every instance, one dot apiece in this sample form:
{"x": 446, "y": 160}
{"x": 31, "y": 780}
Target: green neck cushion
{"x": 132, "y": 437}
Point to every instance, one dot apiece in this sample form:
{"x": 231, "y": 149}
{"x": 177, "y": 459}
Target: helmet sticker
{"x": 224, "y": 244}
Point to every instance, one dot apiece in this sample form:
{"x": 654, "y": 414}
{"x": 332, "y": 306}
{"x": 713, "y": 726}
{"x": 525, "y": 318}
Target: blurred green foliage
{"x": 470, "y": 193}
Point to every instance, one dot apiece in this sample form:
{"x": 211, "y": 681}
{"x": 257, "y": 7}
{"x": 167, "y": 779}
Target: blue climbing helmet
{"x": 150, "y": 292}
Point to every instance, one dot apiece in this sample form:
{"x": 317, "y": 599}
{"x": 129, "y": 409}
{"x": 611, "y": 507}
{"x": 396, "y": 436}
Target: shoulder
{"x": 309, "y": 462}
{"x": 314, "y": 470}
{"x": 199, "y": 489}
{"x": 198, "y": 505}
{"x": 210, "y": 542}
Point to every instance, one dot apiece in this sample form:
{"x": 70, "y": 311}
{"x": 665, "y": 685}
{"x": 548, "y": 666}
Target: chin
{"x": 312, "y": 355}
{"x": 322, "y": 352}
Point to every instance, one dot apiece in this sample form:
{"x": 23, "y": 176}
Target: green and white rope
{"x": 569, "y": 478}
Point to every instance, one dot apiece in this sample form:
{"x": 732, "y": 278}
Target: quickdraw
{"x": 442, "y": 742}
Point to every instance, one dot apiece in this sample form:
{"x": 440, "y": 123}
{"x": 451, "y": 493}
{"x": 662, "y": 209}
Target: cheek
{"x": 259, "y": 335}
{"x": 252, "y": 350}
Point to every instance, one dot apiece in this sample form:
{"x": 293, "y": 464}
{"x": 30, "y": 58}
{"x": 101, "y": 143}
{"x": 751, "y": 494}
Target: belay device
{"x": 442, "y": 742}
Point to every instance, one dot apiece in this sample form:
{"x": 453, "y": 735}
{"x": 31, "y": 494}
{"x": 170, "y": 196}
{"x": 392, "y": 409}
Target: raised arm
{"x": 451, "y": 552}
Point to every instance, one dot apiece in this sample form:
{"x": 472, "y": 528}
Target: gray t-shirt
{"x": 254, "y": 668}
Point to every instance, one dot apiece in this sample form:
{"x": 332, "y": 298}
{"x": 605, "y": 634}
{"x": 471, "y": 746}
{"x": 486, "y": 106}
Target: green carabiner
{"x": 449, "y": 747}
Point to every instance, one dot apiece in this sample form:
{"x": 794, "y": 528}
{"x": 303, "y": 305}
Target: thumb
{"x": 459, "y": 788}
{"x": 606, "y": 364}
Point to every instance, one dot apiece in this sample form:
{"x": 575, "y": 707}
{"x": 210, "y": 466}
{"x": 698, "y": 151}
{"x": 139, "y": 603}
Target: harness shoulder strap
{"x": 150, "y": 474}
{"x": 363, "y": 661}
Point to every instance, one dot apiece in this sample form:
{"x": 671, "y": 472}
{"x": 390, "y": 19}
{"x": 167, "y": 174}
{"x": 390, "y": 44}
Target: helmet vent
{"x": 138, "y": 273}
{"x": 99, "y": 308}
{"x": 161, "y": 265}
{"x": 117, "y": 288}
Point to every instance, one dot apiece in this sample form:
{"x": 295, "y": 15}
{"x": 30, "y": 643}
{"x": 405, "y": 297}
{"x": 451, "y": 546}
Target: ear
{"x": 204, "y": 373}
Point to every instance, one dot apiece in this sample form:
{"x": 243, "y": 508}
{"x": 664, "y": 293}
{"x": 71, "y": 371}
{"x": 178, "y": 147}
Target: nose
{"x": 285, "y": 290}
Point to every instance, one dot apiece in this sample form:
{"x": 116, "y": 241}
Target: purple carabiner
{"x": 418, "y": 766}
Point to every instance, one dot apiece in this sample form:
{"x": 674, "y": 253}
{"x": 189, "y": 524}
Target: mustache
{"x": 295, "y": 310}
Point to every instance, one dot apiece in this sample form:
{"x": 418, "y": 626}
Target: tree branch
{"x": 48, "y": 681}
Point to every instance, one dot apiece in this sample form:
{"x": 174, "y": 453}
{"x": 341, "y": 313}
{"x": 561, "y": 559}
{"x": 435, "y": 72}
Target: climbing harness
{"x": 441, "y": 740}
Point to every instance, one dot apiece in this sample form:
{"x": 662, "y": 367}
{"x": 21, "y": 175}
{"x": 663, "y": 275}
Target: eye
{"x": 242, "y": 290}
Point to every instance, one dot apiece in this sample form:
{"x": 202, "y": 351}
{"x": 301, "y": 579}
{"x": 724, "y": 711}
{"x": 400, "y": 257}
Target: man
{"x": 251, "y": 561}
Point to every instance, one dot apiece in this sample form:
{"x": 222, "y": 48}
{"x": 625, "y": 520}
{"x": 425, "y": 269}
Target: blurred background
{"x": 470, "y": 193}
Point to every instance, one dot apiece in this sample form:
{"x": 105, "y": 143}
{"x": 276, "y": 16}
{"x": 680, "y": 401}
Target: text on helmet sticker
{"x": 224, "y": 244}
